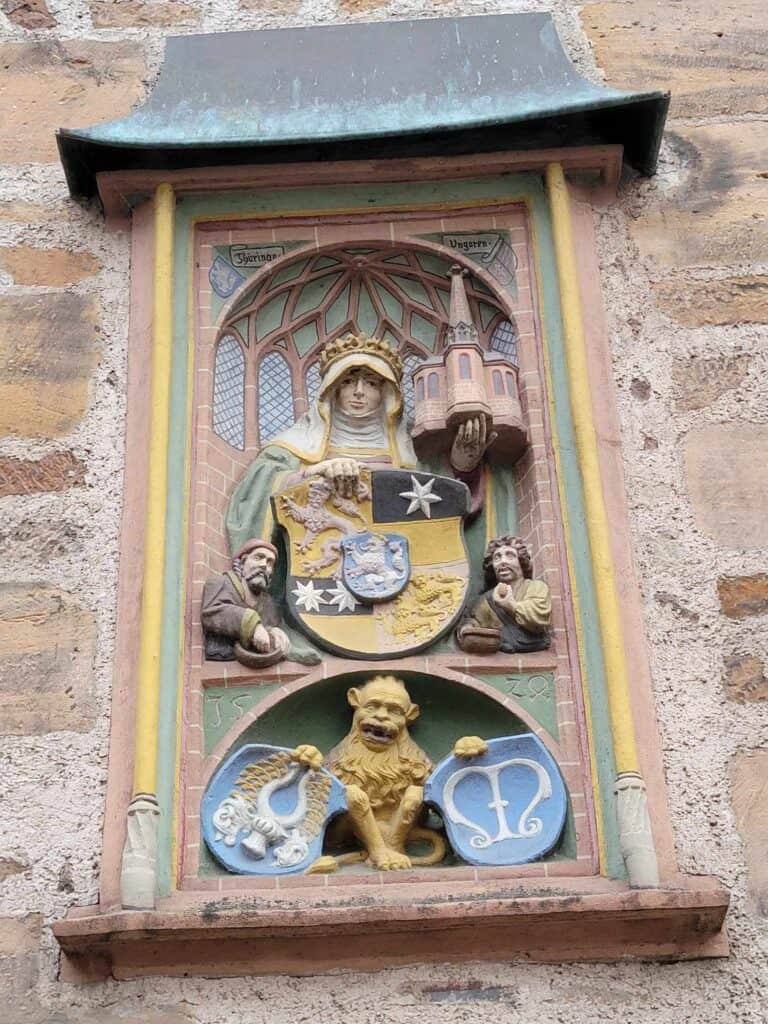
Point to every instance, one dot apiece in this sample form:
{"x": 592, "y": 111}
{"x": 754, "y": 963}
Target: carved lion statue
{"x": 384, "y": 773}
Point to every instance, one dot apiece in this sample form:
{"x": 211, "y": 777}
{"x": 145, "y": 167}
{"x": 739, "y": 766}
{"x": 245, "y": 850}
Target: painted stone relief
{"x": 469, "y": 389}
{"x": 514, "y": 613}
{"x": 376, "y": 515}
{"x": 372, "y": 792}
{"x": 273, "y": 821}
{"x": 508, "y": 806}
{"x": 381, "y": 573}
{"x": 240, "y": 617}
{"x": 356, "y": 422}
{"x": 381, "y": 546}
{"x": 490, "y": 249}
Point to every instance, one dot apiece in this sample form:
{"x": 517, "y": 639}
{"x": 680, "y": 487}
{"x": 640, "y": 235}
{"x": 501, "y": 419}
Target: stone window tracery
{"x": 229, "y": 392}
{"x": 411, "y": 363}
{"x": 504, "y": 340}
{"x": 398, "y": 294}
{"x": 275, "y": 396}
{"x": 312, "y": 381}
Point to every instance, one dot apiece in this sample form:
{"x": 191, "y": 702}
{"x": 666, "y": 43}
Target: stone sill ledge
{"x": 308, "y": 932}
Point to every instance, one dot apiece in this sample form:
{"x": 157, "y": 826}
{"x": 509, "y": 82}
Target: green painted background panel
{"x": 305, "y": 337}
{"x": 534, "y": 691}
{"x": 313, "y": 294}
{"x": 270, "y": 317}
{"x": 367, "y": 317}
{"x": 338, "y": 311}
{"x": 578, "y": 543}
{"x": 289, "y": 273}
{"x": 392, "y": 306}
{"x": 174, "y": 551}
{"x": 424, "y": 330}
{"x": 224, "y": 705}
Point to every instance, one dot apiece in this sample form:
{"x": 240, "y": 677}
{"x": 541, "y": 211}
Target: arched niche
{"x": 287, "y": 311}
{"x": 317, "y": 712}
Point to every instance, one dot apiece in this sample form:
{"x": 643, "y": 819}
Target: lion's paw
{"x": 390, "y": 860}
{"x": 308, "y": 756}
{"x": 470, "y": 746}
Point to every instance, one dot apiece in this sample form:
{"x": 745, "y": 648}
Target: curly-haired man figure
{"x": 514, "y": 604}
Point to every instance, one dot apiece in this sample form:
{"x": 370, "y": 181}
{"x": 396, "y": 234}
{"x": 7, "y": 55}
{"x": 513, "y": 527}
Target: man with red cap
{"x": 238, "y": 610}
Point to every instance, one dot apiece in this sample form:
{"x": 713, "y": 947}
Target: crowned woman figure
{"x": 357, "y": 422}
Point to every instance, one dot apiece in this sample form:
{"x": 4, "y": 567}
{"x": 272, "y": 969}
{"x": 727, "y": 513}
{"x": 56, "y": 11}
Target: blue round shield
{"x": 264, "y": 814}
{"x": 507, "y": 806}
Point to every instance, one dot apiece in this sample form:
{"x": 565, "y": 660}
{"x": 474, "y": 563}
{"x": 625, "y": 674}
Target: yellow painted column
{"x": 139, "y": 855}
{"x": 634, "y": 825}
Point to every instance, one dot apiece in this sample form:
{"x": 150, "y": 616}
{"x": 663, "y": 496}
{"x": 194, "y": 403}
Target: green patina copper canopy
{"x": 339, "y": 92}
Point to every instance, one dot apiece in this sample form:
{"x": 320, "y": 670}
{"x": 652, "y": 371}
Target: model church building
{"x": 465, "y": 382}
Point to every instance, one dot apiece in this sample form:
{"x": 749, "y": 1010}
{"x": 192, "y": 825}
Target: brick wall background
{"x": 684, "y": 258}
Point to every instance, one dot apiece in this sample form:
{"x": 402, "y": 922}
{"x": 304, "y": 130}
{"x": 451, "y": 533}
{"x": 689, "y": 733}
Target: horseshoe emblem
{"x": 525, "y": 826}
{"x": 506, "y": 807}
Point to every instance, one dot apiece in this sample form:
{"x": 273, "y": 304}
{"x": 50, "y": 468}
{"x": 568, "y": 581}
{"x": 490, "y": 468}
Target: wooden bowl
{"x": 477, "y": 640}
{"x": 253, "y": 659}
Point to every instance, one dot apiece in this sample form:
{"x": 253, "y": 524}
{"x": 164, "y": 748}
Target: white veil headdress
{"x": 308, "y": 438}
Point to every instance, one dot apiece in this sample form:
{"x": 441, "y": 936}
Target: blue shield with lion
{"x": 375, "y": 566}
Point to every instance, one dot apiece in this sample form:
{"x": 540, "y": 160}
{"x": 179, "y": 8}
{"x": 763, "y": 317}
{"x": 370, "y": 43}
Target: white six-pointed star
{"x": 421, "y": 497}
{"x": 341, "y": 597}
{"x": 307, "y": 597}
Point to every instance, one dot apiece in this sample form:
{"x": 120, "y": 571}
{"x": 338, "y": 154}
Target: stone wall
{"x": 685, "y": 273}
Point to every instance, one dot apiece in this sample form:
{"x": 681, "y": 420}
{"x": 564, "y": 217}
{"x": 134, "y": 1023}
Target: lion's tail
{"x": 436, "y": 854}
{"x": 326, "y": 865}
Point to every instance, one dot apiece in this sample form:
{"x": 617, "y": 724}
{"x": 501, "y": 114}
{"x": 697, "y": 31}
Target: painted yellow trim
{"x": 575, "y": 599}
{"x": 148, "y": 687}
{"x": 612, "y": 639}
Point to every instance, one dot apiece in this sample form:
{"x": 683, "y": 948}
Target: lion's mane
{"x": 383, "y": 775}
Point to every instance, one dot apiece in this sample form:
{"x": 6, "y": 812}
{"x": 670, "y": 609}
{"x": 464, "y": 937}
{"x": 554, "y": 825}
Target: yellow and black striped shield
{"x": 327, "y": 536}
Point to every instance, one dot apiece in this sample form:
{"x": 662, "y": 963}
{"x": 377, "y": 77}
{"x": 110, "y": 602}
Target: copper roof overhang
{"x": 434, "y": 87}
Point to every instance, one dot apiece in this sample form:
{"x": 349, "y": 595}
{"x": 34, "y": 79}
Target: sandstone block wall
{"x": 684, "y": 258}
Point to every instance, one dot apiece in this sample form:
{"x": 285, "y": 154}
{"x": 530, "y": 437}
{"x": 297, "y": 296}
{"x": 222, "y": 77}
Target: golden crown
{"x": 354, "y": 343}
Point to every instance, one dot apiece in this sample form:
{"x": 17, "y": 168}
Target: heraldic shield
{"x": 384, "y": 572}
{"x": 265, "y": 814}
{"x": 505, "y": 807}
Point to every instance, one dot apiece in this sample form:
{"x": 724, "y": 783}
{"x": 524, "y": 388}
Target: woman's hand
{"x": 470, "y": 444}
{"x": 344, "y": 474}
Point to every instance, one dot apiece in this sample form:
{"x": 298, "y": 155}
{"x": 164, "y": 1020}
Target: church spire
{"x": 461, "y": 330}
